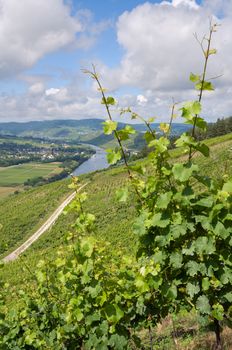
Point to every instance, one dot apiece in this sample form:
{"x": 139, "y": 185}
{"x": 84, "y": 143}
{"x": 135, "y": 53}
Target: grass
{"x": 21, "y": 214}
{"x": 18, "y": 174}
{"x": 183, "y": 332}
{"x": 6, "y": 191}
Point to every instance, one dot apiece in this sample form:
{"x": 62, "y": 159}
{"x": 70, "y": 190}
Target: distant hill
{"x": 84, "y": 130}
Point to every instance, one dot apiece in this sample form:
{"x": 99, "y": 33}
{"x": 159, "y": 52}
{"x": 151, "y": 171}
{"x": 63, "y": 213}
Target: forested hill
{"x": 222, "y": 126}
{"x": 82, "y": 130}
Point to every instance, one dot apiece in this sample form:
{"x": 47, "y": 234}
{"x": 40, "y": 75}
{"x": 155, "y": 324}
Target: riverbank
{"x": 98, "y": 161}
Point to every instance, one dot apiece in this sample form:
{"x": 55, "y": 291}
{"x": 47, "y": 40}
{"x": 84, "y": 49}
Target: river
{"x": 97, "y": 162}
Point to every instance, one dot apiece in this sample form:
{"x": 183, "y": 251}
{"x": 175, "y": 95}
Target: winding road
{"x": 50, "y": 221}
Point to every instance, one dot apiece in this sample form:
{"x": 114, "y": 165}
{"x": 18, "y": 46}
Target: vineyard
{"x": 115, "y": 226}
{"x": 21, "y": 214}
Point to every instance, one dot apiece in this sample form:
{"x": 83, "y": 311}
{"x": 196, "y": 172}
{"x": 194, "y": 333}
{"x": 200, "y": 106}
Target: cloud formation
{"x": 29, "y": 29}
{"x": 161, "y": 51}
{"x": 158, "y": 53}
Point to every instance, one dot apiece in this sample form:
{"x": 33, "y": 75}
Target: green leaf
{"x": 148, "y": 137}
{"x": 205, "y": 283}
{"x": 191, "y": 109}
{"x": 172, "y": 292}
{"x": 139, "y": 225}
{"x": 29, "y": 339}
{"x": 113, "y": 156}
{"x": 41, "y": 276}
{"x": 206, "y": 85}
{"x": 196, "y": 107}
{"x": 129, "y": 129}
{"x": 176, "y": 260}
{"x": 117, "y": 342}
{"x": 164, "y": 127}
{"x": 226, "y": 277}
{"x": 228, "y": 296}
{"x": 124, "y": 134}
{"x": 194, "y": 78}
{"x": 227, "y": 187}
{"x": 78, "y": 314}
{"x": 87, "y": 246}
{"x": 203, "y": 305}
{"x": 138, "y": 168}
{"x": 161, "y": 145}
{"x": 178, "y": 230}
{"x": 163, "y": 200}
{"x": 122, "y": 194}
{"x": 218, "y": 312}
{"x": 109, "y": 127}
{"x": 134, "y": 115}
{"x": 192, "y": 268}
{"x": 205, "y": 202}
{"x": 185, "y": 140}
{"x": 141, "y": 284}
{"x": 113, "y": 313}
{"x": 183, "y": 172}
{"x": 204, "y": 245}
{"x": 200, "y": 123}
{"x": 221, "y": 231}
{"x": 192, "y": 289}
{"x": 108, "y": 101}
{"x": 212, "y": 52}
{"x": 160, "y": 220}
{"x": 203, "y": 148}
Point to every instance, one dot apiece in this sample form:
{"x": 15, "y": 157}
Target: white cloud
{"x": 36, "y": 88}
{"x": 30, "y": 29}
{"x": 142, "y": 100}
{"x": 51, "y": 91}
{"x": 190, "y": 3}
{"x": 159, "y": 52}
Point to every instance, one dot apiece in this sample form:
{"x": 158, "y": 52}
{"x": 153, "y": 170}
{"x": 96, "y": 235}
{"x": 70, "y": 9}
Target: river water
{"x": 97, "y": 162}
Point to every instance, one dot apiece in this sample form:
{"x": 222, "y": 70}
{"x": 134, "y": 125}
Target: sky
{"x": 143, "y": 51}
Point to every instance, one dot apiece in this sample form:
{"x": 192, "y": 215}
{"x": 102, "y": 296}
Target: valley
{"x": 28, "y": 162}
{"x": 113, "y": 219}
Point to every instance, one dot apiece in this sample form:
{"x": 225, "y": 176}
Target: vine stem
{"x": 217, "y": 330}
{"x": 206, "y": 54}
{"x": 147, "y": 125}
{"x": 171, "y": 118}
{"x": 95, "y": 76}
{"x": 151, "y": 338}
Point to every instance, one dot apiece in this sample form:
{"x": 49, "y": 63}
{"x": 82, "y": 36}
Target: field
{"x": 6, "y": 191}
{"x": 18, "y": 174}
{"x": 113, "y": 224}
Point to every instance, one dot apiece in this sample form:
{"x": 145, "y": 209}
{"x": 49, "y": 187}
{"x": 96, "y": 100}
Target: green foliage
{"x": 78, "y": 303}
{"x": 113, "y": 156}
{"x": 187, "y": 233}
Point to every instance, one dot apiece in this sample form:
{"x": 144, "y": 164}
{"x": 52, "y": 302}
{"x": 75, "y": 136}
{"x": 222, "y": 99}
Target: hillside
{"x": 101, "y": 192}
{"x": 85, "y": 130}
{"x": 114, "y": 225}
{"x": 22, "y": 213}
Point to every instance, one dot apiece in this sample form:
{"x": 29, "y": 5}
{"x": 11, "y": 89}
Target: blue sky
{"x": 143, "y": 51}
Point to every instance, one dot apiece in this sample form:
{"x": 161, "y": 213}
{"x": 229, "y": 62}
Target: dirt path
{"x": 50, "y": 221}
